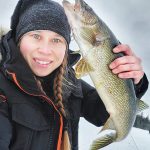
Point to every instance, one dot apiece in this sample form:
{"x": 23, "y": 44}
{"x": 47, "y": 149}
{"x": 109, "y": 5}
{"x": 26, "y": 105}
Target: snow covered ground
{"x": 137, "y": 139}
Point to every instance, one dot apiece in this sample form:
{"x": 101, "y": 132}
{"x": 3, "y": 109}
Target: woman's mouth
{"x": 43, "y": 63}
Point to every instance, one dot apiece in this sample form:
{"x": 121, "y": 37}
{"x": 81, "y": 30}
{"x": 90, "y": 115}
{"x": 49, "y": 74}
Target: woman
{"x": 41, "y": 101}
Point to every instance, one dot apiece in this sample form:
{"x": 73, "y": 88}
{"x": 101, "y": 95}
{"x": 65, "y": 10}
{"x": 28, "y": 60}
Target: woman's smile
{"x": 43, "y": 50}
{"x": 43, "y": 62}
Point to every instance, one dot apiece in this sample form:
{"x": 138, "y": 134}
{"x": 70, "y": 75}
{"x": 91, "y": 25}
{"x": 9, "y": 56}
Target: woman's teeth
{"x": 42, "y": 62}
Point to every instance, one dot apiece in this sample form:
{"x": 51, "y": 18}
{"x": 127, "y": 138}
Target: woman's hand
{"x": 128, "y": 66}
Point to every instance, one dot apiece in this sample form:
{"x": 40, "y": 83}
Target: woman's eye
{"x": 56, "y": 40}
{"x": 36, "y": 36}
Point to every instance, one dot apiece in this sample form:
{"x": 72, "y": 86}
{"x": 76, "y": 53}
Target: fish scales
{"x": 96, "y": 42}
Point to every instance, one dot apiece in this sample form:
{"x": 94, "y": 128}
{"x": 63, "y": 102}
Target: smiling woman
{"x": 41, "y": 100}
{"x": 43, "y": 51}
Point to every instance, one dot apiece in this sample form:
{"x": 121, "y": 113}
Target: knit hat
{"x": 30, "y": 15}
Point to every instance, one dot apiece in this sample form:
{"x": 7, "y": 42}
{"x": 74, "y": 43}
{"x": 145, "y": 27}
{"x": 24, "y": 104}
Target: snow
{"x": 137, "y": 139}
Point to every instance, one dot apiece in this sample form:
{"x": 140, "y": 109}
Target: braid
{"x": 58, "y": 86}
{"x": 65, "y": 143}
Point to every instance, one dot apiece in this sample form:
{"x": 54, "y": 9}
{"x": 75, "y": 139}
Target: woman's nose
{"x": 45, "y": 48}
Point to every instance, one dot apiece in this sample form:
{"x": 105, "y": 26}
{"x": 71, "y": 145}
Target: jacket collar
{"x": 15, "y": 67}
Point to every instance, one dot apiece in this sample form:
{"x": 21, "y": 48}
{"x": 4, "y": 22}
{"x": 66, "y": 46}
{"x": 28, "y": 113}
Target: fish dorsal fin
{"x": 82, "y": 68}
{"x": 141, "y": 105}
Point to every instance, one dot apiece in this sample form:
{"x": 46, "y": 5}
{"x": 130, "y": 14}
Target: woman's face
{"x": 43, "y": 50}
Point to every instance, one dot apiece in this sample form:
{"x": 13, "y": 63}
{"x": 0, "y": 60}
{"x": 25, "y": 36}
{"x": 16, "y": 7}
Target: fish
{"x": 96, "y": 42}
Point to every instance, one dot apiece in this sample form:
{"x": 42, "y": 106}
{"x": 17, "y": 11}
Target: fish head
{"x": 83, "y": 22}
{"x": 79, "y": 13}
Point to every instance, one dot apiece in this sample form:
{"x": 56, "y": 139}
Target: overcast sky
{"x": 130, "y": 22}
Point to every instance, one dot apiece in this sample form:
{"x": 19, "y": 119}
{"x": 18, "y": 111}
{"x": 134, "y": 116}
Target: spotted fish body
{"x": 96, "y": 42}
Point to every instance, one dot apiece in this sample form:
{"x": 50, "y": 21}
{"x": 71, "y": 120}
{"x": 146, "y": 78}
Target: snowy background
{"x": 130, "y": 22}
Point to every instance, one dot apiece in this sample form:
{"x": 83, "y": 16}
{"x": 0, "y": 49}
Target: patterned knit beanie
{"x": 30, "y": 15}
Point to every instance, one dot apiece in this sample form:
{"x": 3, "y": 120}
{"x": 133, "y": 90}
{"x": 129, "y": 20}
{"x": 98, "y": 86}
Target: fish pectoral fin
{"x": 82, "y": 68}
{"x": 103, "y": 141}
{"x": 141, "y": 106}
{"x": 108, "y": 125}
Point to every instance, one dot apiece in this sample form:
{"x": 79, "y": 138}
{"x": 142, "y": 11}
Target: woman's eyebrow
{"x": 57, "y": 35}
{"x": 36, "y": 31}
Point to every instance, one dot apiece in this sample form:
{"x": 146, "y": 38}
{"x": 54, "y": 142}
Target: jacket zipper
{"x": 51, "y": 132}
{"x": 51, "y": 138}
{"x": 48, "y": 100}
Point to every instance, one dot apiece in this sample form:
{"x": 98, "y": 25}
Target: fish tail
{"x": 103, "y": 141}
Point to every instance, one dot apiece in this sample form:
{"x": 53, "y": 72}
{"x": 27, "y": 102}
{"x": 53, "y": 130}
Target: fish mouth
{"x": 65, "y": 2}
{"x": 81, "y": 11}
{"x": 76, "y": 2}
{"x": 77, "y": 5}
{"x": 68, "y": 7}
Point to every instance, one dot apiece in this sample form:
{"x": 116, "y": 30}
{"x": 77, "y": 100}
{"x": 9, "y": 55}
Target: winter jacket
{"x": 29, "y": 120}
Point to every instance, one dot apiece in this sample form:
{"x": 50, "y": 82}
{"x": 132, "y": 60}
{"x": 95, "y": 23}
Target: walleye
{"x": 96, "y": 42}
